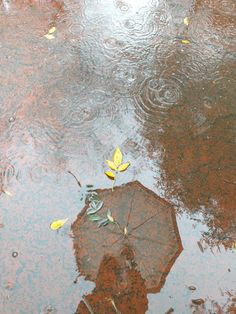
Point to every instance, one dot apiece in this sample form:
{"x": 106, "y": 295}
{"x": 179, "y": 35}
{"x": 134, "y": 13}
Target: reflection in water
{"x": 204, "y": 176}
{"x": 119, "y": 289}
{"x": 149, "y": 249}
{"x": 116, "y": 74}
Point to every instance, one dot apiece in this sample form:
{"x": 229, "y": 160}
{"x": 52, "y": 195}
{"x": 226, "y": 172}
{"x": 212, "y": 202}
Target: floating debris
{"x": 7, "y": 192}
{"x": 49, "y": 36}
{"x": 14, "y": 254}
{"x": 198, "y": 301}
{"x": 200, "y": 246}
{"x": 57, "y": 224}
{"x": 11, "y": 119}
{"x": 52, "y": 30}
{"x": 50, "y": 33}
{"x": 185, "y": 41}
{"x": 186, "y": 21}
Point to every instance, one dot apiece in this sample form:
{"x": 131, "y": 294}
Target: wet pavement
{"x": 132, "y": 74}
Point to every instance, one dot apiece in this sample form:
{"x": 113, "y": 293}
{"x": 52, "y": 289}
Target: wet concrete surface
{"x": 117, "y": 73}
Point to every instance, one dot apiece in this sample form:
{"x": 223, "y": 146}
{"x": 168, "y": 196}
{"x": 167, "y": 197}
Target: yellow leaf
{"x": 111, "y": 165}
{"x": 234, "y": 246}
{"x": 49, "y": 36}
{"x": 57, "y": 224}
{"x": 52, "y": 30}
{"x": 117, "y": 157}
{"x": 185, "y": 41}
{"x": 8, "y": 193}
{"x": 123, "y": 167}
{"x": 110, "y": 218}
{"x": 125, "y": 231}
{"x": 110, "y": 175}
{"x": 186, "y": 21}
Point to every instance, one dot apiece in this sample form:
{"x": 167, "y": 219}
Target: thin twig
{"x": 88, "y": 305}
{"x": 79, "y": 184}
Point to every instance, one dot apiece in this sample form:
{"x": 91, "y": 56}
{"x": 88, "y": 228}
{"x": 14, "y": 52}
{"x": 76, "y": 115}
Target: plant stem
{"x": 117, "y": 223}
{"x": 114, "y": 181}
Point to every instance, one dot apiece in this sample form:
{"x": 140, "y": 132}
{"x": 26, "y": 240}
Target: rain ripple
{"x": 76, "y": 117}
{"x": 156, "y": 96}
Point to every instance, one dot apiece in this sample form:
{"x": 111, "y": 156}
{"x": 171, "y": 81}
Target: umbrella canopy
{"x": 151, "y": 243}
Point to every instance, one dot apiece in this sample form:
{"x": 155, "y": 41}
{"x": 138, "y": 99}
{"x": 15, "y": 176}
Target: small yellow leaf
{"x": 117, "y": 157}
{"x": 110, "y": 218}
{"x": 111, "y": 165}
{"x": 123, "y": 167}
{"x": 8, "y": 193}
{"x": 186, "y": 21}
{"x": 125, "y": 231}
{"x": 49, "y": 36}
{"x": 234, "y": 246}
{"x": 52, "y": 30}
{"x": 110, "y": 175}
{"x": 57, "y": 224}
{"x": 185, "y": 41}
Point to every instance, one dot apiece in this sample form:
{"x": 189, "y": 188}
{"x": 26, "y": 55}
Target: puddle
{"x": 122, "y": 73}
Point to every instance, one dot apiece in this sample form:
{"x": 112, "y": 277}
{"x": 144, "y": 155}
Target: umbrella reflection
{"x": 120, "y": 263}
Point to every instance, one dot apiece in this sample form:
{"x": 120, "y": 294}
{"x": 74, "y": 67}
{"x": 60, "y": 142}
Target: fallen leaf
{"x": 123, "y": 167}
{"x": 8, "y": 193}
{"x": 198, "y": 301}
{"x": 111, "y": 165}
{"x": 117, "y": 157}
{"x": 52, "y": 30}
{"x": 185, "y": 41}
{"x": 110, "y": 175}
{"x": 103, "y": 222}
{"x": 94, "y": 209}
{"x": 200, "y": 246}
{"x": 57, "y": 224}
{"x": 171, "y": 310}
{"x": 186, "y": 21}
{"x": 234, "y": 246}
{"x": 96, "y": 204}
{"x": 95, "y": 218}
{"x": 49, "y": 36}
{"x": 109, "y": 216}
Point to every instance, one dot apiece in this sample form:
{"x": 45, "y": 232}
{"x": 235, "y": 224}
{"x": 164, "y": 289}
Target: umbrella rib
{"x": 142, "y": 223}
{"x": 87, "y": 305}
{"x": 112, "y": 231}
{"x": 114, "y": 242}
{"x": 130, "y": 210}
{"x": 145, "y": 238}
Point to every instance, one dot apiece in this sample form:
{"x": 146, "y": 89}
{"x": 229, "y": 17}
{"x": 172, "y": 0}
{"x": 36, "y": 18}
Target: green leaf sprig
{"x": 95, "y": 205}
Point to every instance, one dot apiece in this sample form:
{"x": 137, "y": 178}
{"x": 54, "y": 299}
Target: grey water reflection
{"x": 117, "y": 73}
